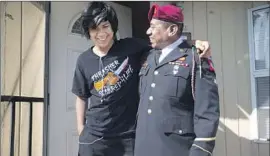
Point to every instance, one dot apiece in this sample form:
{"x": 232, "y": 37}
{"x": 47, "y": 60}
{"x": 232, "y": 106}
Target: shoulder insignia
{"x": 144, "y": 64}
{"x": 211, "y": 66}
{"x": 181, "y": 50}
{"x": 182, "y": 58}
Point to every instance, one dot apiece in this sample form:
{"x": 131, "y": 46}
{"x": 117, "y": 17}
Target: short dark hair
{"x": 180, "y": 29}
{"x": 179, "y": 25}
{"x": 94, "y": 14}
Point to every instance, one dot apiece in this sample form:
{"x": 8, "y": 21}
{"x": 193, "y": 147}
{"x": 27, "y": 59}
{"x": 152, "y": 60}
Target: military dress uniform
{"x": 178, "y": 113}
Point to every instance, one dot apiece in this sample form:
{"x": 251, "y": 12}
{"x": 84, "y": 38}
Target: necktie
{"x": 158, "y": 53}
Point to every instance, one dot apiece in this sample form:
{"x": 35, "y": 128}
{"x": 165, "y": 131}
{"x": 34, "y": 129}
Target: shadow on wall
{"x": 229, "y": 143}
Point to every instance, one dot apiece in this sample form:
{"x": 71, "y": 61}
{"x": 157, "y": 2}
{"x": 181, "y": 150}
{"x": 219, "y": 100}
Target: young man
{"x": 107, "y": 73}
{"x": 178, "y": 113}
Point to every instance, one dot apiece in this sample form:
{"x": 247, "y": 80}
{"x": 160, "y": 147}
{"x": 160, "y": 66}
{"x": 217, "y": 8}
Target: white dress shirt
{"x": 165, "y": 51}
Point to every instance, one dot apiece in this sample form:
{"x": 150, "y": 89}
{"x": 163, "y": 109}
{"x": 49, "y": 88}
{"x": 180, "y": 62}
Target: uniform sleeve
{"x": 206, "y": 109}
{"x": 80, "y": 86}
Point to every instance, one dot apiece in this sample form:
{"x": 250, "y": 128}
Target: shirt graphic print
{"x": 112, "y": 77}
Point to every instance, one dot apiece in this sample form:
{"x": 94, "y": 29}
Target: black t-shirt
{"x": 111, "y": 83}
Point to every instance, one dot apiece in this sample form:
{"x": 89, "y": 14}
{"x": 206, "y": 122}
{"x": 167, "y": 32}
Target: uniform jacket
{"x": 178, "y": 113}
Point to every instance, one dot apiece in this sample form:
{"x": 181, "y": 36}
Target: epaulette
{"x": 144, "y": 57}
{"x": 186, "y": 44}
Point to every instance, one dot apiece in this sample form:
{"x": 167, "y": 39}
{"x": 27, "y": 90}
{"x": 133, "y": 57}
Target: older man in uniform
{"x": 178, "y": 113}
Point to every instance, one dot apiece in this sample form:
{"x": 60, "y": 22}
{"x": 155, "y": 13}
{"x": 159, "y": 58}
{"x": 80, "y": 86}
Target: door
{"x": 66, "y": 44}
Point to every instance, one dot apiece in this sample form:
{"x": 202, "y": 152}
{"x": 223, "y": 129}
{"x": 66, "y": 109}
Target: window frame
{"x": 253, "y": 75}
{"x": 72, "y": 23}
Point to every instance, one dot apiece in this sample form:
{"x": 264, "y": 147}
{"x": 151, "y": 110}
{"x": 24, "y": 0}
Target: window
{"x": 259, "y": 70}
{"x": 76, "y": 28}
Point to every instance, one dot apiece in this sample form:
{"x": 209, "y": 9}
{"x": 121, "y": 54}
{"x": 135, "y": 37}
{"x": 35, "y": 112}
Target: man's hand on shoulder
{"x": 203, "y": 48}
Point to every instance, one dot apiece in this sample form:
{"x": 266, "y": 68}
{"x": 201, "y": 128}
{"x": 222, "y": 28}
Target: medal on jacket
{"x": 175, "y": 69}
{"x": 180, "y": 62}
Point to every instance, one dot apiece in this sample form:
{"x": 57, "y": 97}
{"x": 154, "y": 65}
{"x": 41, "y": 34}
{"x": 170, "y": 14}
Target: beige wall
{"x": 225, "y": 25}
{"x": 22, "y": 74}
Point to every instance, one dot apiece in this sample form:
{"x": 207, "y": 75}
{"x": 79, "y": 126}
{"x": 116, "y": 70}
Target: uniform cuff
{"x": 204, "y": 146}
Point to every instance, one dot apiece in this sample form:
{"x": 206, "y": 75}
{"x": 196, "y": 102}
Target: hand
{"x": 80, "y": 129}
{"x": 204, "y": 48}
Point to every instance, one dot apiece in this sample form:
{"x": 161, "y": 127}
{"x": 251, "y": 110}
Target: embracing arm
{"x": 206, "y": 110}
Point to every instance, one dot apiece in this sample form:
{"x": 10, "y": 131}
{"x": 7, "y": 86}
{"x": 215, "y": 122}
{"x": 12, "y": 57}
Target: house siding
{"x": 225, "y": 26}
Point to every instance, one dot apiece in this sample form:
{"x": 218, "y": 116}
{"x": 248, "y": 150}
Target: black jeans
{"x": 90, "y": 145}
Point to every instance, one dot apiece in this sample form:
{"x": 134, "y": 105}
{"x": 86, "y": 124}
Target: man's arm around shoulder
{"x": 206, "y": 109}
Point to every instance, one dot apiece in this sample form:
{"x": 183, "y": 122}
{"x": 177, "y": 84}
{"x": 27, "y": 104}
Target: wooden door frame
{"x": 47, "y": 8}
{"x": 133, "y": 5}
{"x": 2, "y": 41}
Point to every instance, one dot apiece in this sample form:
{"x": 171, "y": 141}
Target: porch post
{"x": 47, "y": 8}
{"x": 2, "y": 30}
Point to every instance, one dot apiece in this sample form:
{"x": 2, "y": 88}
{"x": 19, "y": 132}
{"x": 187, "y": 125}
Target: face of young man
{"x": 102, "y": 35}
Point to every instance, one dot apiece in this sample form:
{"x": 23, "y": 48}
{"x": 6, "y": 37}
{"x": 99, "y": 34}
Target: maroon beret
{"x": 168, "y": 13}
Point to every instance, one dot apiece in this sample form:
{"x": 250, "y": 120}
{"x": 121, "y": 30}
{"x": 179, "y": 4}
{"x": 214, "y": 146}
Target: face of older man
{"x": 158, "y": 33}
